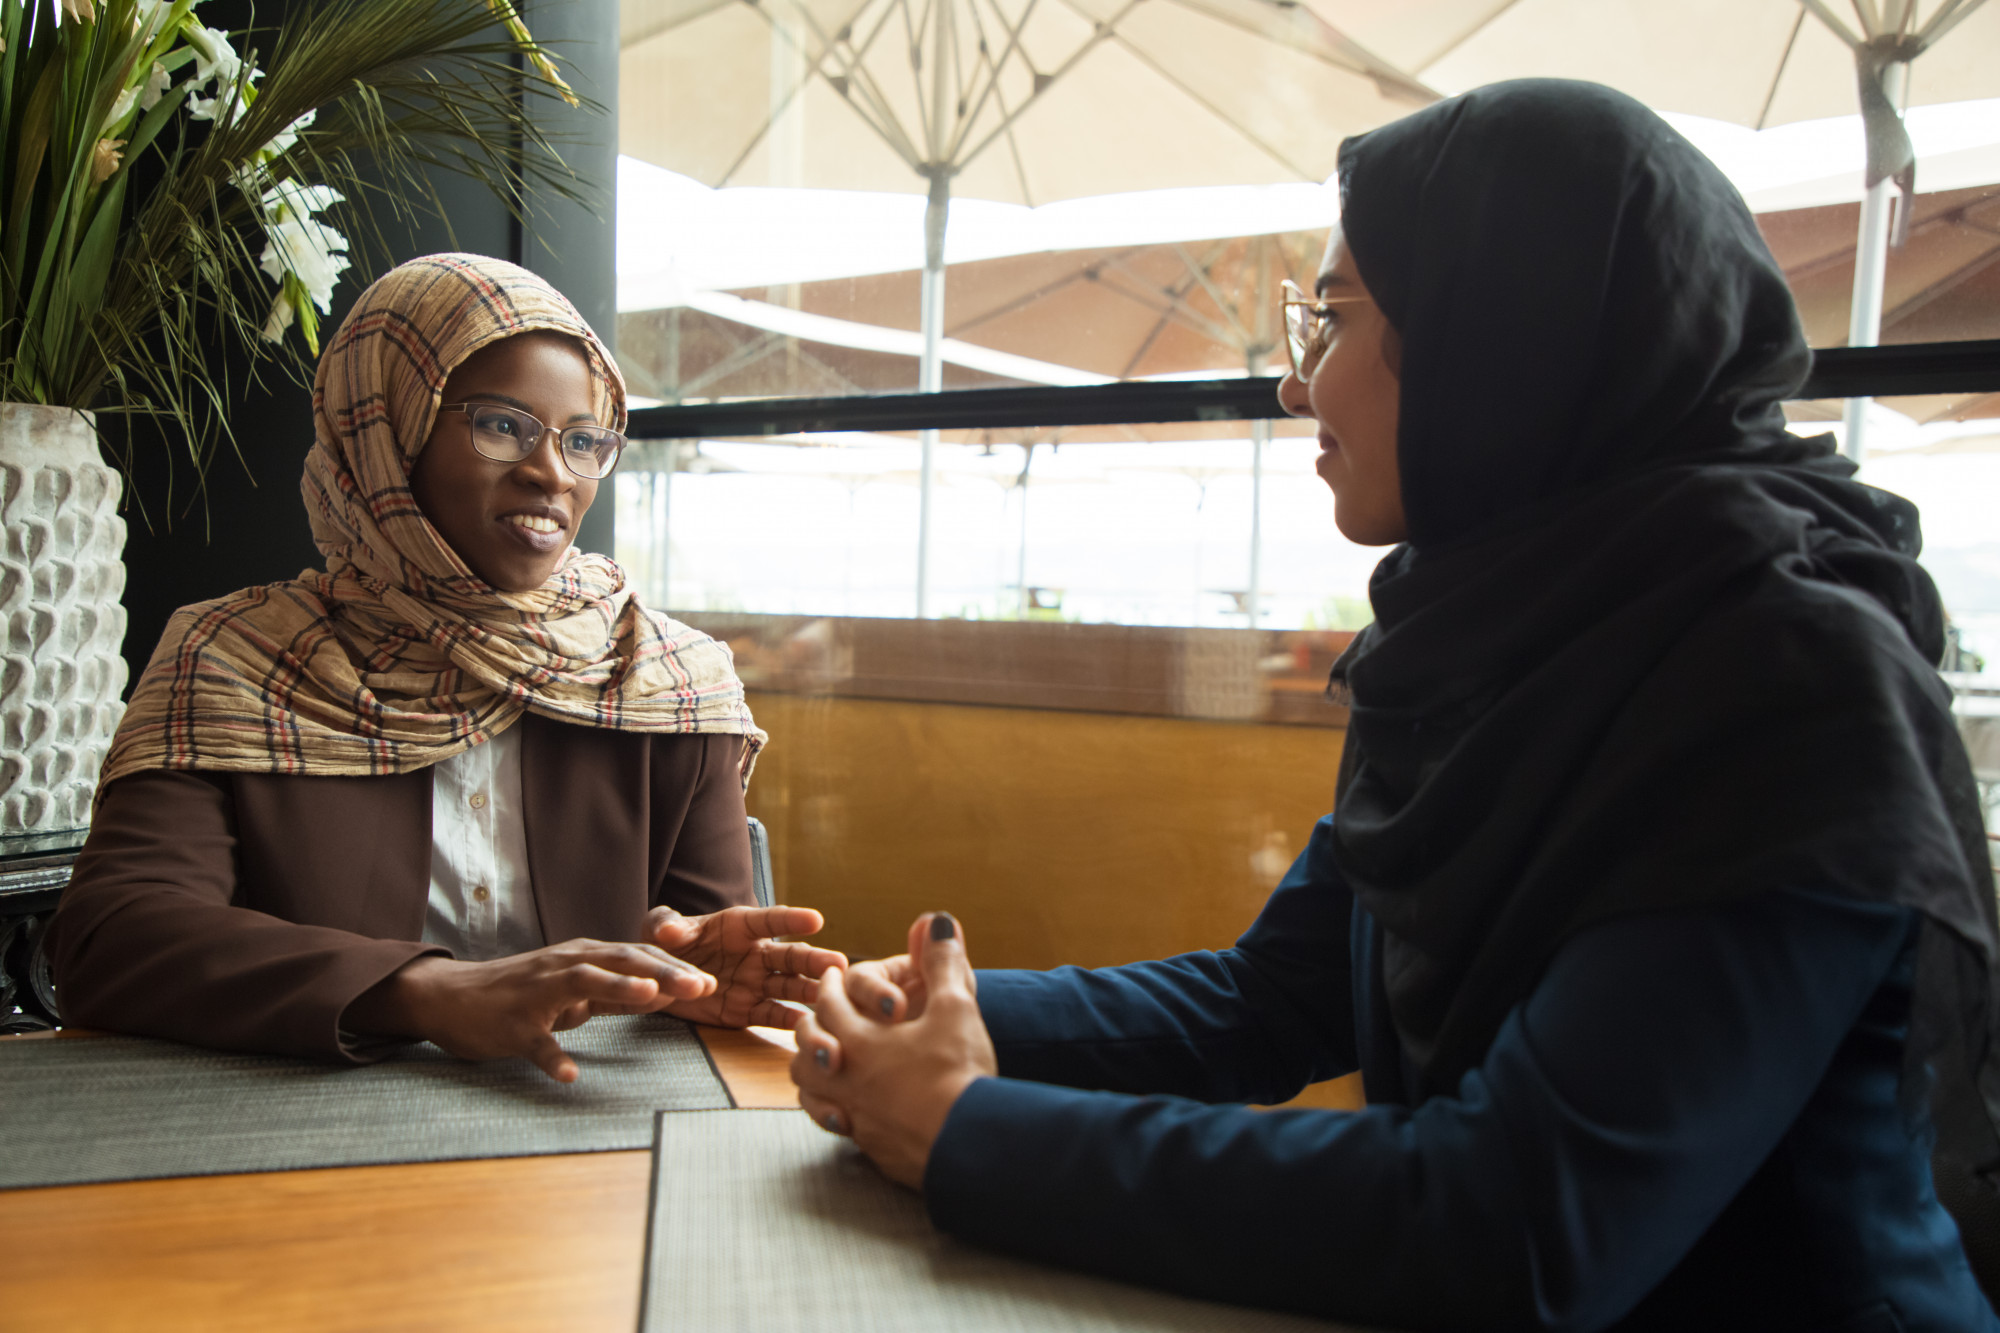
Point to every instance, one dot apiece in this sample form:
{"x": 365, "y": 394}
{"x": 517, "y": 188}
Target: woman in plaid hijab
{"x": 451, "y": 608}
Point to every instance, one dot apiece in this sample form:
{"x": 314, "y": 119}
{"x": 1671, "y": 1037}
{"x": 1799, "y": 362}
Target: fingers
{"x": 674, "y": 977}
{"x": 668, "y": 928}
{"x": 548, "y": 1053}
{"x": 825, "y": 1114}
{"x": 799, "y": 990}
{"x": 874, "y": 994}
{"x": 774, "y": 1014}
{"x": 819, "y": 1056}
{"x": 767, "y": 922}
{"x": 804, "y": 960}
{"x": 813, "y": 1070}
{"x": 833, "y": 1012}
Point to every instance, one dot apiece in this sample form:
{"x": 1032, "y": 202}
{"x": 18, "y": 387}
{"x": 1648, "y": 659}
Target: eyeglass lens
{"x": 507, "y": 436}
{"x": 1306, "y": 327}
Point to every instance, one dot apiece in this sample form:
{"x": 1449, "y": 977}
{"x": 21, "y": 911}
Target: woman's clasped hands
{"x": 891, "y": 1044}
{"x": 727, "y": 968}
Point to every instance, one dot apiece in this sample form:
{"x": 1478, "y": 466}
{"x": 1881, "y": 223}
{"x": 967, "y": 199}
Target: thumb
{"x": 668, "y": 928}
{"x": 944, "y": 964}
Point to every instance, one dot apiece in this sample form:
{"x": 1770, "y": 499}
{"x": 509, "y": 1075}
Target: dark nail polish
{"x": 832, "y": 1121}
{"x": 888, "y": 1007}
{"x": 943, "y": 927}
{"x": 822, "y": 1057}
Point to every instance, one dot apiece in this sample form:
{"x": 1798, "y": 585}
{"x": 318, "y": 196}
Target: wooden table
{"x": 542, "y": 1243}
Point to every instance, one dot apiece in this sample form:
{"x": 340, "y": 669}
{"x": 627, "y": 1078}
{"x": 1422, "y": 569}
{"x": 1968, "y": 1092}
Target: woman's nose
{"x": 1292, "y": 395}
{"x": 544, "y": 469}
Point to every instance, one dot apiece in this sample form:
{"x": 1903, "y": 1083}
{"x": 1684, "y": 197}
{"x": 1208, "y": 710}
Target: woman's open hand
{"x": 891, "y": 1085}
{"x": 752, "y": 968}
{"x": 515, "y": 1006}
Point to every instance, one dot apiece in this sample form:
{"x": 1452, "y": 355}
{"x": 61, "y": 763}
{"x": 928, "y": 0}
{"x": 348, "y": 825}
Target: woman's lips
{"x": 538, "y": 532}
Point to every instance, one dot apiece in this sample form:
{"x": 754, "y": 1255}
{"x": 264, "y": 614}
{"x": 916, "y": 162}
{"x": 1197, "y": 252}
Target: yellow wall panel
{"x": 1057, "y": 837}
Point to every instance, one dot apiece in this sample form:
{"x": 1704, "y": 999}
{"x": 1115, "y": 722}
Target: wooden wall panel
{"x": 1057, "y": 837}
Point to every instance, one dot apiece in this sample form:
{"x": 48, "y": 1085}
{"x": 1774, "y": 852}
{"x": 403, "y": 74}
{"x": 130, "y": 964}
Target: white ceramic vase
{"x": 61, "y": 622}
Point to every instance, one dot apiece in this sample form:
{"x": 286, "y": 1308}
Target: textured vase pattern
{"x": 61, "y": 575}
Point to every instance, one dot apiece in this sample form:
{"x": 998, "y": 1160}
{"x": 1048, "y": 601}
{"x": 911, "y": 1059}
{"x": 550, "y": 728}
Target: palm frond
{"x": 131, "y": 238}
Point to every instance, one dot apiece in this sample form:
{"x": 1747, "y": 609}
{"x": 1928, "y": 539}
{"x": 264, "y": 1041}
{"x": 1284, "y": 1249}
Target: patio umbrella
{"x": 1755, "y": 62}
{"x": 1015, "y": 100}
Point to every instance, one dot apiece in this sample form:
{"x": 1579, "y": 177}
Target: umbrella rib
{"x": 1207, "y": 284}
{"x": 1954, "y": 13}
{"x": 1104, "y": 32}
{"x": 746, "y": 355}
{"x": 1783, "y": 60}
{"x": 1826, "y": 16}
{"x": 1169, "y": 305}
{"x": 890, "y": 132}
{"x": 1871, "y": 17}
{"x": 870, "y": 99}
{"x": 915, "y": 36}
{"x": 992, "y": 89}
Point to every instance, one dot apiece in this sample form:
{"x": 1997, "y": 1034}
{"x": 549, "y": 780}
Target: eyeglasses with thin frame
{"x": 1309, "y": 322}
{"x": 506, "y": 435}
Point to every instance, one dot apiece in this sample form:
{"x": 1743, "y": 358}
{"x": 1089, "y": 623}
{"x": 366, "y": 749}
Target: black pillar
{"x": 254, "y": 527}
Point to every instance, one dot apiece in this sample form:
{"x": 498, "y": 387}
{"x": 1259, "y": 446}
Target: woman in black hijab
{"x": 1655, "y": 906}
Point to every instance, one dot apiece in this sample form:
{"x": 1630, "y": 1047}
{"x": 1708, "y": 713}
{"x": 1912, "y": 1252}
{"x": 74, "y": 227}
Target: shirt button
{"x": 481, "y": 894}
{"x": 479, "y": 800}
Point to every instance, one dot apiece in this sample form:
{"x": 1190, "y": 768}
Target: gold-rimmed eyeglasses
{"x": 506, "y": 435}
{"x": 1310, "y": 323}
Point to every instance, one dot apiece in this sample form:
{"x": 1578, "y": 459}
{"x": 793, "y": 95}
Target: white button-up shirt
{"x": 482, "y": 903}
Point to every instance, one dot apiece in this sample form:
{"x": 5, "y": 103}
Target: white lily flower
{"x": 122, "y": 107}
{"x": 289, "y": 135}
{"x": 211, "y": 108}
{"x": 147, "y": 16}
{"x": 311, "y": 252}
{"x": 213, "y": 55}
{"x": 291, "y": 199}
{"x": 155, "y": 87}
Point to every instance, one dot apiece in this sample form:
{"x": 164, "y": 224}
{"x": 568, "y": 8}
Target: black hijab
{"x": 1643, "y": 648}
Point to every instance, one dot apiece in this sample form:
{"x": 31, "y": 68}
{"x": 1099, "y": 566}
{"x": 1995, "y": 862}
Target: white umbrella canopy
{"x": 1038, "y": 101}
{"x": 1754, "y": 62}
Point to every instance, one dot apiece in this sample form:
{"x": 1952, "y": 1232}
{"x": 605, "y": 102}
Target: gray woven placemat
{"x": 761, "y": 1222}
{"x": 125, "y": 1108}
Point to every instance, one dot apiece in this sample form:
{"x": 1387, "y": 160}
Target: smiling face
{"x": 1354, "y": 391}
{"x": 510, "y": 523}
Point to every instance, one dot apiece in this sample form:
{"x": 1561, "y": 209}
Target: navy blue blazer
{"x": 1693, "y": 1121}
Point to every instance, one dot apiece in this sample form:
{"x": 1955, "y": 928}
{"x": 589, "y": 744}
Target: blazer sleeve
{"x": 1254, "y": 1023}
{"x": 701, "y": 830}
{"x": 149, "y": 938}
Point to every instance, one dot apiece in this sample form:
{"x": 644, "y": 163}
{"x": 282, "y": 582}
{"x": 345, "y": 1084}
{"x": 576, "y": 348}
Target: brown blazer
{"x": 246, "y": 910}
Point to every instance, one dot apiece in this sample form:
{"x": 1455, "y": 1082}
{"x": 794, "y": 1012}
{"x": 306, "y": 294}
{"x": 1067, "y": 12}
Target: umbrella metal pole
{"x": 1871, "y": 266}
{"x": 663, "y": 517}
{"x": 1260, "y": 431}
{"x": 930, "y": 370}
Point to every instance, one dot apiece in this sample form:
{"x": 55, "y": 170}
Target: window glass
{"x": 1124, "y": 679}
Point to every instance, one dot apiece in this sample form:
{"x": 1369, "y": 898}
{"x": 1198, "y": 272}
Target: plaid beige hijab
{"x": 397, "y": 655}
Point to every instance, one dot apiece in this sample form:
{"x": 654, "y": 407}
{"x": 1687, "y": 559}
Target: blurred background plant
{"x": 170, "y": 192}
